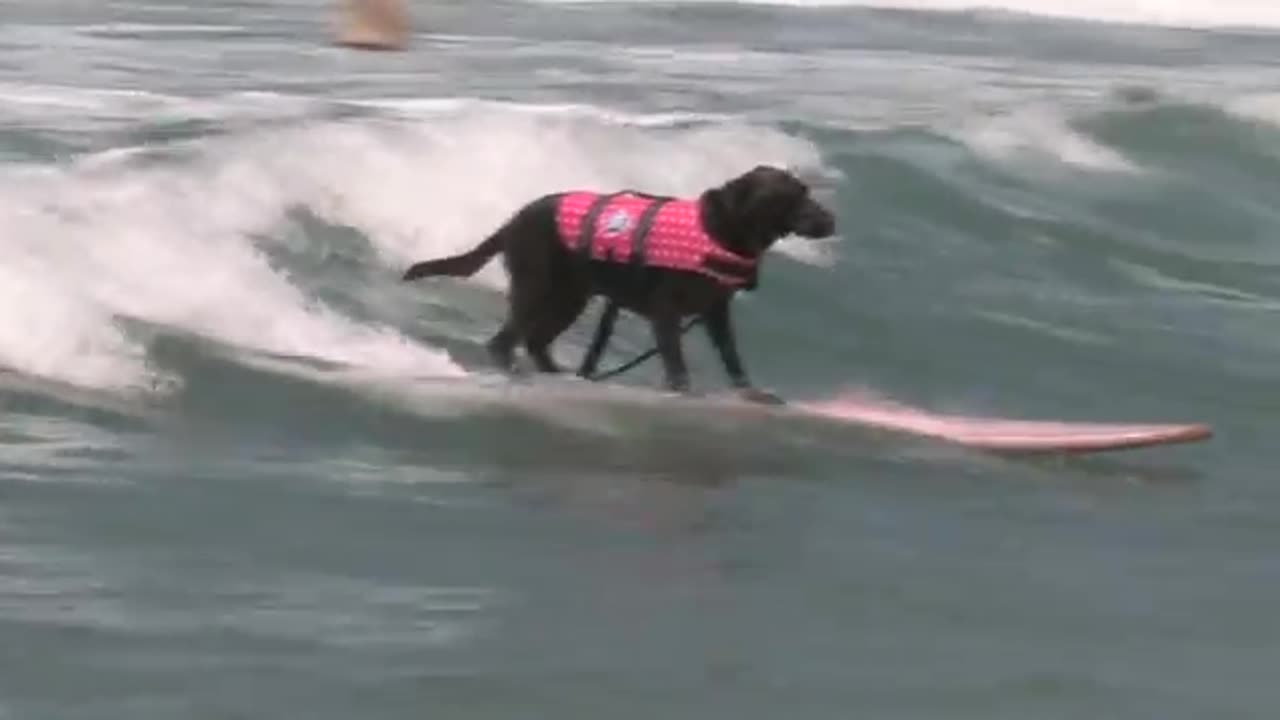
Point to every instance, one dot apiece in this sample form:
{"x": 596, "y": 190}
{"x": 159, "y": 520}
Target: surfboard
{"x": 589, "y": 405}
{"x": 868, "y": 412}
{"x": 1006, "y": 435}
{"x": 847, "y": 410}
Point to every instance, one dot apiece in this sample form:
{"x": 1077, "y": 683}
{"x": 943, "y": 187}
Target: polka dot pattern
{"x": 676, "y": 240}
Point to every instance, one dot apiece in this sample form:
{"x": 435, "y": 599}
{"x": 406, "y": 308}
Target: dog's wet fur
{"x": 550, "y": 285}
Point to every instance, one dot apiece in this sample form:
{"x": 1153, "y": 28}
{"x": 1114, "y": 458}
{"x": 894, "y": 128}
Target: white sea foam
{"x": 1035, "y": 133}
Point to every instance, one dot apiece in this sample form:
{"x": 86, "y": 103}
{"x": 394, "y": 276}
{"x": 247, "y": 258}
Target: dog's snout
{"x": 826, "y": 224}
{"x": 815, "y": 221}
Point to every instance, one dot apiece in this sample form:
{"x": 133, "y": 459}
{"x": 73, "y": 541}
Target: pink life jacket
{"x": 650, "y": 231}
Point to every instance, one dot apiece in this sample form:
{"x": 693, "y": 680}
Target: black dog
{"x": 553, "y": 277}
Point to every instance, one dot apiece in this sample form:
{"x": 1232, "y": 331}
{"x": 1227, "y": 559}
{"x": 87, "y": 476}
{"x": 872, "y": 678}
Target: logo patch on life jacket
{"x": 617, "y": 222}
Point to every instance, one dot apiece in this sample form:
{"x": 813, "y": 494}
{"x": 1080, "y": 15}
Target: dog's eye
{"x": 823, "y": 195}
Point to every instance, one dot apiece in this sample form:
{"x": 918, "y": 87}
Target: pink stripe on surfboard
{"x": 1007, "y": 435}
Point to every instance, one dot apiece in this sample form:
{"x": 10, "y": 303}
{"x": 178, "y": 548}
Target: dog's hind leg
{"x": 521, "y": 316}
{"x": 561, "y": 313}
{"x": 502, "y": 347}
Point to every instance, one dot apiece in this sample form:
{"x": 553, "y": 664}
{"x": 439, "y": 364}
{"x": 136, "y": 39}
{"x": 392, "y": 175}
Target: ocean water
{"x": 246, "y": 473}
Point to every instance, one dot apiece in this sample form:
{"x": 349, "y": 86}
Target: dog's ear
{"x": 743, "y": 209}
{"x": 735, "y": 198}
{"x": 721, "y": 208}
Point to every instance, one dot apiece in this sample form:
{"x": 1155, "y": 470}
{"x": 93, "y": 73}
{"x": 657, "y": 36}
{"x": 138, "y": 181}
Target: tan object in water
{"x": 374, "y": 25}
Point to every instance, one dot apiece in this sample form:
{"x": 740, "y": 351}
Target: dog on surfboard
{"x": 660, "y": 257}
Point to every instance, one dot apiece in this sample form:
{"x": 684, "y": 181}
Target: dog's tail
{"x": 463, "y": 265}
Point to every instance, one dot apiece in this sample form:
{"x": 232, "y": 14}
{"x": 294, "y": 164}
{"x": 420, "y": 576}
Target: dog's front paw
{"x": 682, "y": 391}
{"x": 756, "y": 395}
{"x": 678, "y": 385}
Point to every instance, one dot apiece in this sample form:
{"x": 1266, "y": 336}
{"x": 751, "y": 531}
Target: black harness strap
{"x": 588, "y": 229}
{"x": 644, "y": 226}
{"x": 739, "y": 271}
{"x": 688, "y": 325}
